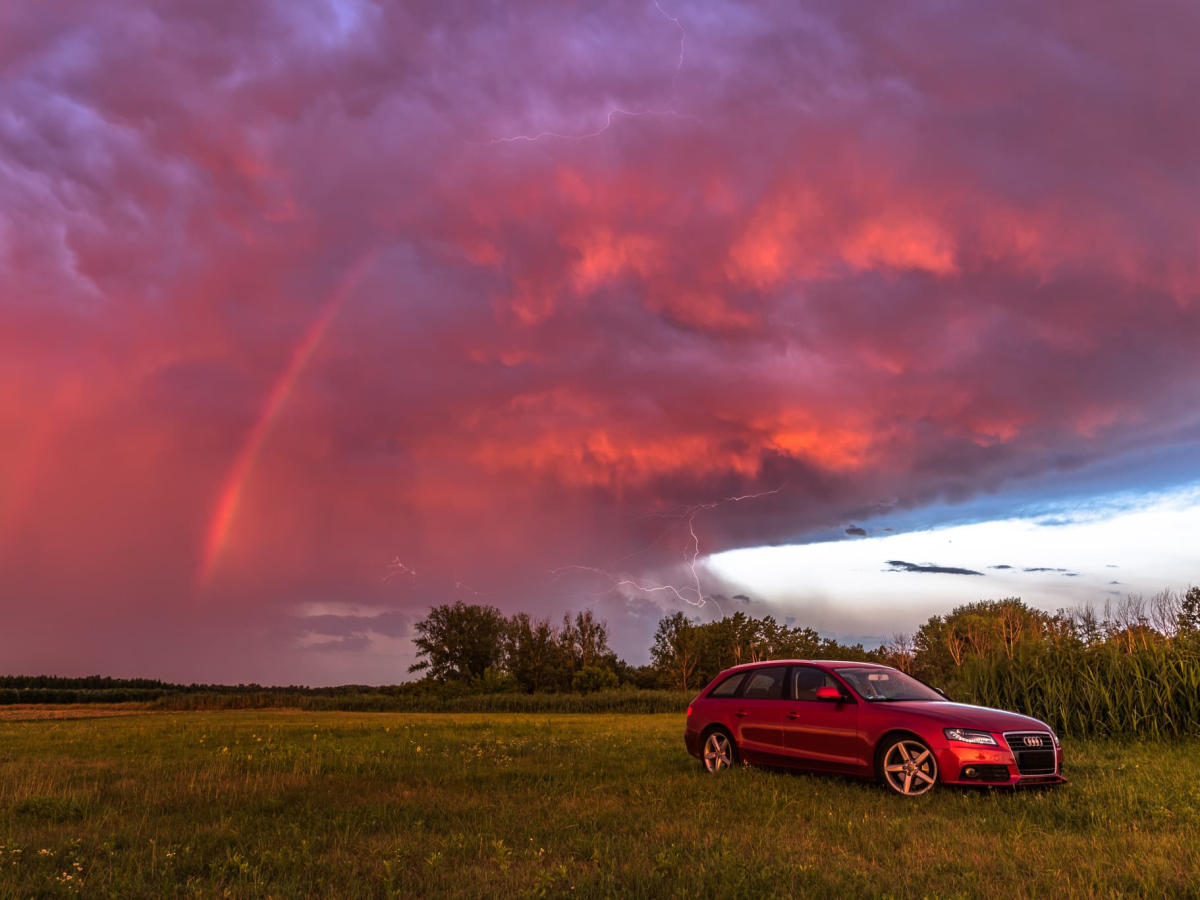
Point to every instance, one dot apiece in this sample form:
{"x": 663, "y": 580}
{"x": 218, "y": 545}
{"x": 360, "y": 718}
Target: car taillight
{"x": 689, "y": 712}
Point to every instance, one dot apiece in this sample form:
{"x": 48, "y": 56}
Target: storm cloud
{"x": 295, "y": 290}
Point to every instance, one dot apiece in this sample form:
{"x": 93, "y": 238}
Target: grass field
{"x": 301, "y": 804}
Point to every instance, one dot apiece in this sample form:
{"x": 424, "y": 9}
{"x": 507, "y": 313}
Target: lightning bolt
{"x": 395, "y": 567}
{"x": 682, "y": 40}
{"x": 616, "y": 110}
{"x": 693, "y": 594}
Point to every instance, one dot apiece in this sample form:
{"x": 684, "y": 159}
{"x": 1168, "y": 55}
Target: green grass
{"x": 304, "y": 804}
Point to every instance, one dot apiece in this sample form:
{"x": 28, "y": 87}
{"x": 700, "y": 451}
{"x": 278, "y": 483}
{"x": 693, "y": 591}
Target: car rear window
{"x": 729, "y": 686}
{"x": 764, "y": 684}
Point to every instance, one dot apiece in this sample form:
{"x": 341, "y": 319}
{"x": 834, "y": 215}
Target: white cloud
{"x": 1145, "y": 543}
{"x": 335, "y": 608}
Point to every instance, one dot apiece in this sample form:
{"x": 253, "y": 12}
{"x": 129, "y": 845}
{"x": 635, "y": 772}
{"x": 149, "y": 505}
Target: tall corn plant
{"x": 1151, "y": 692}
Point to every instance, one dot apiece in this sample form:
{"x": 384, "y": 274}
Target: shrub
{"x": 590, "y": 679}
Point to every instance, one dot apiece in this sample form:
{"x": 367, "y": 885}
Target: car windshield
{"x": 887, "y": 684}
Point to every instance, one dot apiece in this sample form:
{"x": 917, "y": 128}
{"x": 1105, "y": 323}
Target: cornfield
{"x": 1152, "y": 692}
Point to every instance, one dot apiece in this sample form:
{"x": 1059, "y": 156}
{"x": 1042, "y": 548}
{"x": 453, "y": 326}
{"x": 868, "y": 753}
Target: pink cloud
{"x": 880, "y": 259}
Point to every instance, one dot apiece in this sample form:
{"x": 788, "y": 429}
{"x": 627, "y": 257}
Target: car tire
{"x": 905, "y": 765}
{"x": 718, "y": 751}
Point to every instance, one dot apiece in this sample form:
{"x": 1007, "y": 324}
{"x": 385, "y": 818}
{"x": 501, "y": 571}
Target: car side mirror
{"x": 828, "y": 693}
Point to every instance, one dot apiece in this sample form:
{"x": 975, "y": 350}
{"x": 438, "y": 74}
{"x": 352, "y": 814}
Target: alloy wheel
{"x": 910, "y": 768}
{"x": 718, "y": 752}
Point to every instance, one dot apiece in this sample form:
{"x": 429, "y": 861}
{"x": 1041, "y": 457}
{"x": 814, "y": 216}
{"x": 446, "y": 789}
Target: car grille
{"x": 1033, "y": 751}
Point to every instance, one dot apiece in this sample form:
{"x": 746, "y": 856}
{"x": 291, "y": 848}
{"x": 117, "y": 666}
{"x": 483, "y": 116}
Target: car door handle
{"x": 740, "y": 713}
{"x": 793, "y": 715}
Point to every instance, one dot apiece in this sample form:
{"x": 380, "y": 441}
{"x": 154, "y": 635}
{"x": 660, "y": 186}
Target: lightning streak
{"x": 616, "y": 110}
{"x": 682, "y": 39}
{"x": 395, "y": 567}
{"x": 692, "y": 594}
{"x": 225, "y": 512}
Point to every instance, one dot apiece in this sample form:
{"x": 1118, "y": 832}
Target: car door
{"x": 758, "y": 713}
{"x": 822, "y": 734}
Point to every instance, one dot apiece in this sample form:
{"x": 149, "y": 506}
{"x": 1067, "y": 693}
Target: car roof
{"x": 805, "y": 662}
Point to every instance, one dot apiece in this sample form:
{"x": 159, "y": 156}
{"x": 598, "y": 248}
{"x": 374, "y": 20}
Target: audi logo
{"x": 1032, "y": 740}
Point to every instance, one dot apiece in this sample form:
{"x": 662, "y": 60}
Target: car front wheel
{"x": 719, "y": 752}
{"x": 908, "y": 767}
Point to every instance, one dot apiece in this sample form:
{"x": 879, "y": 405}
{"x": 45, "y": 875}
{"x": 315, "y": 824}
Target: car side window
{"x": 764, "y": 684}
{"x": 729, "y": 686}
{"x": 806, "y": 680}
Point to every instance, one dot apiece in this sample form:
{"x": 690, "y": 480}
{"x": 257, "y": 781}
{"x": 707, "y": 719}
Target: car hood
{"x": 950, "y": 714}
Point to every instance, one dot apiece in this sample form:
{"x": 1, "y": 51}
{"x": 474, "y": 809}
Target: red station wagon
{"x": 866, "y": 720}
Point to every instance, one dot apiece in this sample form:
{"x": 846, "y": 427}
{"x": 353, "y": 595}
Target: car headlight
{"x": 966, "y": 736}
{"x": 1054, "y": 737}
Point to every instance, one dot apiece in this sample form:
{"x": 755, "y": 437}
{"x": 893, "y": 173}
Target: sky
{"x": 314, "y": 314}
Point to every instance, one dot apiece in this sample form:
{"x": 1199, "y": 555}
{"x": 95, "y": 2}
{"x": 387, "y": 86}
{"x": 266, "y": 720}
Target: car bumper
{"x": 991, "y": 766}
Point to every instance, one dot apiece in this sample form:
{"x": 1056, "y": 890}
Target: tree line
{"x": 477, "y": 645}
{"x": 1008, "y": 629}
{"x": 1132, "y": 667}
{"x": 996, "y": 652}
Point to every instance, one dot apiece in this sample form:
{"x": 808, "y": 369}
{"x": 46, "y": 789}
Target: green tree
{"x": 800, "y": 643}
{"x": 1188, "y": 623}
{"x": 594, "y": 678}
{"x": 533, "y": 654}
{"x": 459, "y": 642}
{"x": 932, "y": 659}
{"x": 676, "y": 651}
{"x": 586, "y": 639}
{"x": 730, "y": 641}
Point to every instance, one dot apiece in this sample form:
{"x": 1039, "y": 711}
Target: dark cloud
{"x": 901, "y": 566}
{"x": 1000, "y": 567}
{"x": 856, "y": 531}
{"x": 1043, "y": 569}
{"x": 833, "y": 255}
{"x": 741, "y": 598}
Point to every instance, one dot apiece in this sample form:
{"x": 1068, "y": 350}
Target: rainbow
{"x": 226, "y": 509}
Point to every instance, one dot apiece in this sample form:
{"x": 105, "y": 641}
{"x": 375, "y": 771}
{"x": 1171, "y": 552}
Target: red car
{"x": 866, "y": 720}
